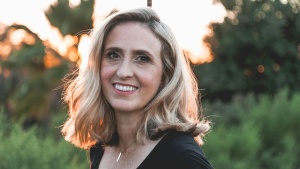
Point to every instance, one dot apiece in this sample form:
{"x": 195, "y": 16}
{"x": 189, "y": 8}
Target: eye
{"x": 113, "y": 55}
{"x": 143, "y": 58}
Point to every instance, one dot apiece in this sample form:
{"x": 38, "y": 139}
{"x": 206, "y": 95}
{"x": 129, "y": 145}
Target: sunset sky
{"x": 187, "y": 18}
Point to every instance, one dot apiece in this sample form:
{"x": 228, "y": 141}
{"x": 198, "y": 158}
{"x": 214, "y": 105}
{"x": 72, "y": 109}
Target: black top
{"x": 176, "y": 150}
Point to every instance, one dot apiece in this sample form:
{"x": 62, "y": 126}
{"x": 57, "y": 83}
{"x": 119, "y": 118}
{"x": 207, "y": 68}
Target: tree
{"x": 31, "y": 72}
{"x": 256, "y": 49}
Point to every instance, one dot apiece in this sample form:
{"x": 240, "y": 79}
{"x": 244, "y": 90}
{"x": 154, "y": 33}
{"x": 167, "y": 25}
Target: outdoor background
{"x": 248, "y": 74}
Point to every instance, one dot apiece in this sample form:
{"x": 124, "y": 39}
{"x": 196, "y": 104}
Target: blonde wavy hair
{"x": 176, "y": 106}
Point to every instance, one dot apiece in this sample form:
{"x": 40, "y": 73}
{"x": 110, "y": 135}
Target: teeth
{"x": 125, "y": 88}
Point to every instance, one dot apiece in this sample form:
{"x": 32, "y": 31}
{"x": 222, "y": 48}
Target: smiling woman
{"x": 131, "y": 60}
{"x": 135, "y": 104}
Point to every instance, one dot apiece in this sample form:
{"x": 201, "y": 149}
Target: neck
{"x": 127, "y": 127}
{"x": 127, "y": 134}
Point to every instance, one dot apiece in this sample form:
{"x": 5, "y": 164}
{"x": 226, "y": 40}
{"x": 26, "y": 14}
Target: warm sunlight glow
{"x": 57, "y": 41}
{"x": 30, "y": 40}
{"x": 23, "y": 12}
{"x": 5, "y": 50}
{"x": 103, "y": 7}
{"x": 35, "y": 20}
{"x": 83, "y": 46}
{"x": 17, "y": 36}
{"x": 69, "y": 40}
{"x": 73, "y": 55}
{"x": 187, "y": 18}
{"x": 51, "y": 61}
{"x": 74, "y": 3}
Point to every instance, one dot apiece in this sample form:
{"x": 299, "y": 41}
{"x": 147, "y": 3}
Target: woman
{"x": 135, "y": 103}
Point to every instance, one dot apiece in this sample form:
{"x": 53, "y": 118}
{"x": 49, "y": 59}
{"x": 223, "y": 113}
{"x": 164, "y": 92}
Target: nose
{"x": 125, "y": 69}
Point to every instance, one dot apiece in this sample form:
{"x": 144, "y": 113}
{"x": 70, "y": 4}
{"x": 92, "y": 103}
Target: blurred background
{"x": 245, "y": 54}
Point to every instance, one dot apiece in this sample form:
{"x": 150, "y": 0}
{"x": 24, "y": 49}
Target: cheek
{"x": 152, "y": 80}
{"x": 105, "y": 74}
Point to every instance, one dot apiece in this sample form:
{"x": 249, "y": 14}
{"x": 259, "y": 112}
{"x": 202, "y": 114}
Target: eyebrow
{"x": 113, "y": 49}
{"x": 143, "y": 52}
{"x": 138, "y": 51}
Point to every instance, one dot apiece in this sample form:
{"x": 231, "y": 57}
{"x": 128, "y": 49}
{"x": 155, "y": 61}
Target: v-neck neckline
{"x": 148, "y": 157}
{"x": 154, "y": 150}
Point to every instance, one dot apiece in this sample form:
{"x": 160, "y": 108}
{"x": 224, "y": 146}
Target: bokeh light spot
{"x": 261, "y": 69}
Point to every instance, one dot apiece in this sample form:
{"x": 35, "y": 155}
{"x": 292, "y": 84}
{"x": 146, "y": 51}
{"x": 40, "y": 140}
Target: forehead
{"x": 133, "y": 28}
{"x": 134, "y": 34}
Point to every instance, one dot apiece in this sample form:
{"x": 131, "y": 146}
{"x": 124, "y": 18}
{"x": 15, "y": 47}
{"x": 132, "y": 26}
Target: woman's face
{"x": 131, "y": 67}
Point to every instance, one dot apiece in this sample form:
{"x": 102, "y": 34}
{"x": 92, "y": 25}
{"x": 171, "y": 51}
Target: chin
{"x": 126, "y": 109}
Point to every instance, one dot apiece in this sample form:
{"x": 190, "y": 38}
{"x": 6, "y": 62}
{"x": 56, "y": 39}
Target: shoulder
{"x": 188, "y": 151}
{"x": 180, "y": 138}
{"x": 181, "y": 142}
{"x": 184, "y": 151}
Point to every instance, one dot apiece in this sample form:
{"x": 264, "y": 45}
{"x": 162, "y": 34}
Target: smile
{"x": 125, "y": 88}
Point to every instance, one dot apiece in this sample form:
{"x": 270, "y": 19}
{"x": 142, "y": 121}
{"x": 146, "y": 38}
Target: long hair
{"x": 176, "y": 106}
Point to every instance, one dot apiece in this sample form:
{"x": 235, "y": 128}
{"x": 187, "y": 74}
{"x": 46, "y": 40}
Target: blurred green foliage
{"x": 256, "y": 49}
{"x": 71, "y": 20}
{"x": 28, "y": 87}
{"x": 28, "y": 91}
{"x": 255, "y": 133}
{"x": 36, "y": 148}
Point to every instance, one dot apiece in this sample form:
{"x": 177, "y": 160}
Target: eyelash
{"x": 143, "y": 58}
{"x": 112, "y": 55}
{"x": 140, "y": 58}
